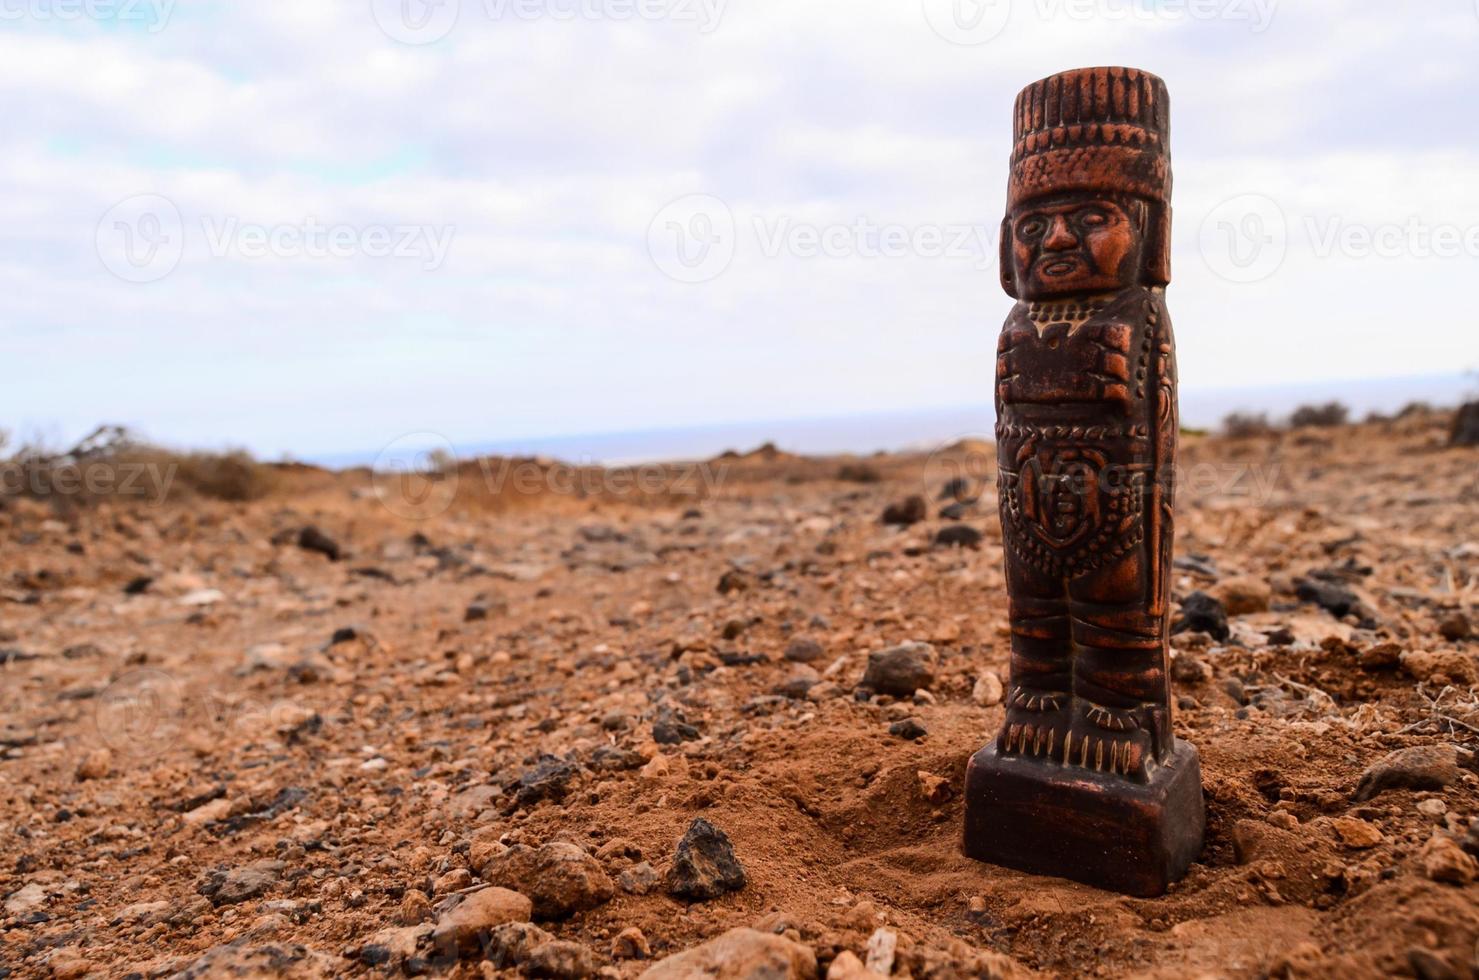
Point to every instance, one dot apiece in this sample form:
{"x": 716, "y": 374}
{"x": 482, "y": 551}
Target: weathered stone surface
{"x": 630, "y": 944}
{"x": 463, "y": 927}
{"x": 560, "y": 960}
{"x": 1441, "y": 666}
{"x": 559, "y": 878}
{"x": 514, "y": 942}
{"x": 228, "y": 887}
{"x": 1419, "y": 767}
{"x": 739, "y": 954}
{"x": 987, "y": 691}
{"x": 804, "y": 649}
{"x": 639, "y": 879}
{"x": 704, "y": 866}
{"x": 1243, "y": 594}
{"x": 900, "y": 671}
{"x": 1444, "y": 860}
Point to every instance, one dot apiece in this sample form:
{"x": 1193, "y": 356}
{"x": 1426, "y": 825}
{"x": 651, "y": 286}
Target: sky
{"x": 310, "y": 227}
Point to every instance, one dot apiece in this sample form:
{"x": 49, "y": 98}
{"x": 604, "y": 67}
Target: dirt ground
{"x": 265, "y": 762}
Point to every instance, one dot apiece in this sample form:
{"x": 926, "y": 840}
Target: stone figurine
{"x": 1086, "y": 779}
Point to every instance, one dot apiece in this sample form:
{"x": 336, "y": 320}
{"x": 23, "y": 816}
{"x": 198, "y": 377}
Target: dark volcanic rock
{"x": 312, "y": 539}
{"x": 671, "y": 728}
{"x": 959, "y": 510}
{"x": 900, "y": 671}
{"x": 549, "y": 780}
{"x": 910, "y": 728}
{"x": 733, "y": 580}
{"x": 704, "y": 865}
{"x": 962, "y": 535}
{"x": 1201, "y": 613}
{"x": 138, "y": 586}
{"x": 955, "y": 488}
{"x": 906, "y": 512}
{"x": 1333, "y": 598}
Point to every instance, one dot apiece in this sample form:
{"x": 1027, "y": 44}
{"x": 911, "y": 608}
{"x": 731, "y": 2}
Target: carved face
{"x": 1067, "y": 247}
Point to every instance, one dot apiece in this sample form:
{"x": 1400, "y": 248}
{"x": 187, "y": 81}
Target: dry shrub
{"x": 112, "y": 463}
{"x": 1239, "y": 425}
{"x": 1325, "y": 416}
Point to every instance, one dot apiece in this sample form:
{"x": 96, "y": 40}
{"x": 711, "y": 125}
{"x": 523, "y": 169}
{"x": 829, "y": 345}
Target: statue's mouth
{"x": 1061, "y": 266}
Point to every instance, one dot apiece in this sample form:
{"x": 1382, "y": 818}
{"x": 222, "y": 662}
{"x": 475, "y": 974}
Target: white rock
{"x": 881, "y": 948}
{"x": 988, "y": 690}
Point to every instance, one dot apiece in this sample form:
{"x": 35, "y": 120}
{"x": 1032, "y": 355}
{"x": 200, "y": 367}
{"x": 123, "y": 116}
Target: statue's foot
{"x": 1035, "y": 731}
{"x": 1109, "y": 740}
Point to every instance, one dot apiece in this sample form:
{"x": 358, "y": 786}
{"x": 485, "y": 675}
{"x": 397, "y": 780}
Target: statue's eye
{"x": 1032, "y": 228}
{"x": 1094, "y": 219}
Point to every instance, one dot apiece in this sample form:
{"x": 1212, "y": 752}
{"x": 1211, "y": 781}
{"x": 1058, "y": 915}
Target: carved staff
{"x": 1086, "y": 779}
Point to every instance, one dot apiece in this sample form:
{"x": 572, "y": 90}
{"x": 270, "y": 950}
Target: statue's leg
{"x": 1039, "y": 698}
{"x": 1118, "y": 673}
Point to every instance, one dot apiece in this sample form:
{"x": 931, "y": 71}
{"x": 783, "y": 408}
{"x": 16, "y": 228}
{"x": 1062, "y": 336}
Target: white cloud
{"x": 547, "y": 147}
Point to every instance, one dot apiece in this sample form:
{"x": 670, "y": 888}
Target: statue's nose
{"x": 1059, "y": 237}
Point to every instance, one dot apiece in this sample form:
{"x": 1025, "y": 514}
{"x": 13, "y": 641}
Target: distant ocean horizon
{"x": 925, "y": 429}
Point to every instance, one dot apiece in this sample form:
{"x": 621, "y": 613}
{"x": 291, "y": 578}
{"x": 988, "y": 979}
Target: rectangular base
{"x": 1044, "y": 818}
